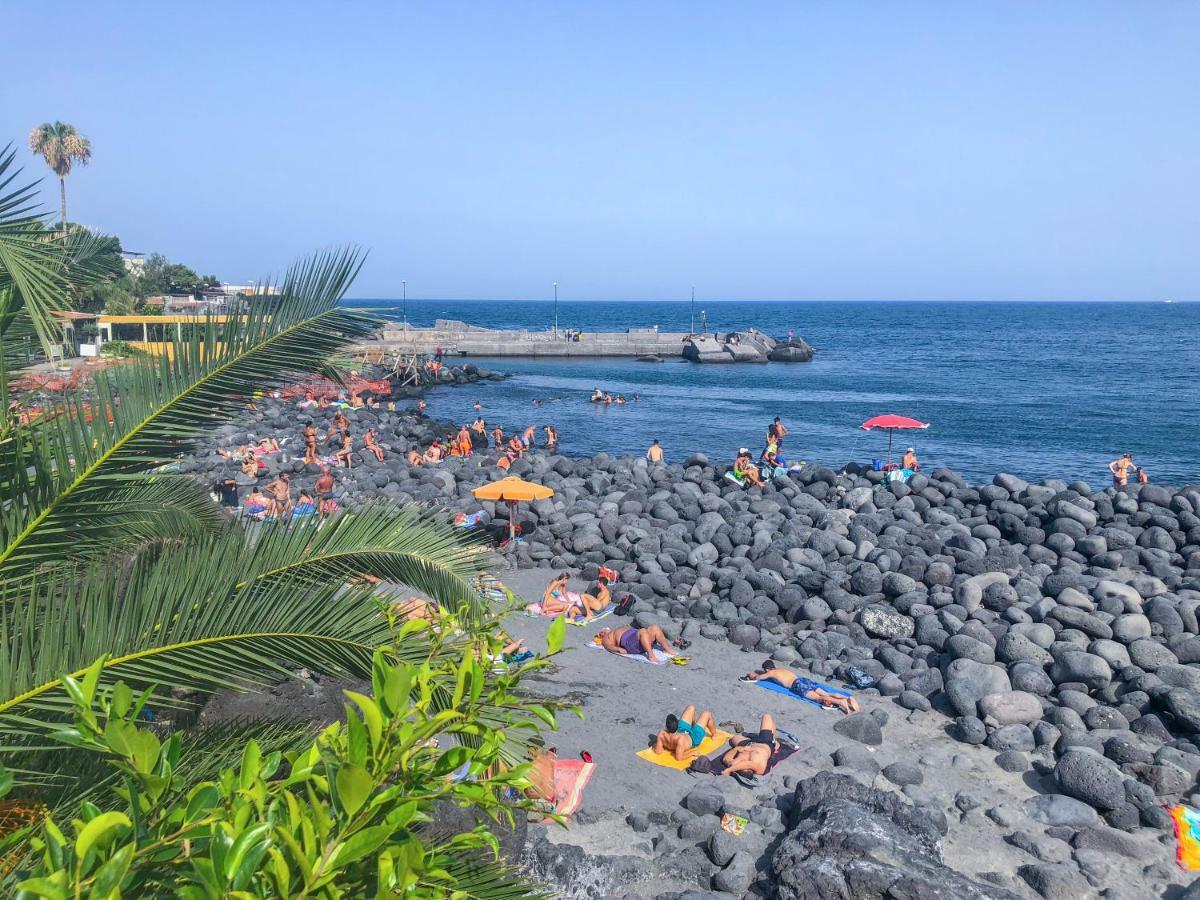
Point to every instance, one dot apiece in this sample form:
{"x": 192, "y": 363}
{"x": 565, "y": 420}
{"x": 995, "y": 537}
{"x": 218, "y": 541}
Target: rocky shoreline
{"x": 1049, "y": 624}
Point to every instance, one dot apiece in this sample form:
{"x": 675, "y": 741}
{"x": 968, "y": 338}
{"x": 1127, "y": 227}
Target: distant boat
{"x": 1168, "y": 301}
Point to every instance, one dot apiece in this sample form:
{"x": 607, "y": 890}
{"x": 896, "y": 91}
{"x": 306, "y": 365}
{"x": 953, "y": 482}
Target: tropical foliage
{"x": 62, "y": 147}
{"x": 350, "y": 814}
{"x": 119, "y": 577}
{"x": 41, "y": 270}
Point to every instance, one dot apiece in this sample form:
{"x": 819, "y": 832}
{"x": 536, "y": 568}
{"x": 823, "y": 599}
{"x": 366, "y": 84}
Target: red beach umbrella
{"x": 892, "y": 423}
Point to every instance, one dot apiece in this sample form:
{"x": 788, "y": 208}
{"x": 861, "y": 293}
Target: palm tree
{"x": 61, "y": 146}
{"x": 104, "y": 553}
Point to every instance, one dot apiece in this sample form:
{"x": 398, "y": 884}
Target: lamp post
{"x": 692, "y": 326}
{"x": 404, "y": 303}
{"x": 556, "y": 310}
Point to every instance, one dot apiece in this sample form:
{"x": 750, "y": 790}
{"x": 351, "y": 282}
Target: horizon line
{"x": 751, "y": 300}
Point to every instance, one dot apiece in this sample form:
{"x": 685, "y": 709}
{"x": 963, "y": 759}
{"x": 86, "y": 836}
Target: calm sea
{"x": 1037, "y": 389}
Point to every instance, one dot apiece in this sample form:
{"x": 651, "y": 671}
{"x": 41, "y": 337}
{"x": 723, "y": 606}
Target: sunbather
{"x": 346, "y": 453}
{"x": 557, "y": 600}
{"x": 802, "y": 687}
{"x": 593, "y": 603}
{"x": 685, "y": 733}
{"x": 626, "y": 641}
{"x": 751, "y": 753}
{"x": 372, "y": 443}
{"x": 746, "y": 470}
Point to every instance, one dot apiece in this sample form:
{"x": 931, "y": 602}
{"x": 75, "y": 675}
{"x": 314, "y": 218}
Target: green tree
{"x": 115, "y": 571}
{"x": 61, "y": 146}
{"x": 349, "y": 814}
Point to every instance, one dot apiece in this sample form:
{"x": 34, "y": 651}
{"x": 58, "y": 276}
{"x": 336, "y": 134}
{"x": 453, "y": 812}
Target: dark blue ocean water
{"x": 1038, "y": 389}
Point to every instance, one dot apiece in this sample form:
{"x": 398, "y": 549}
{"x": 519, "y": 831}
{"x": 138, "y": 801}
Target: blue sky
{"x": 903, "y": 150}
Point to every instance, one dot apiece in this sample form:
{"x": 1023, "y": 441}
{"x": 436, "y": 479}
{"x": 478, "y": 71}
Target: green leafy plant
{"x": 351, "y": 814}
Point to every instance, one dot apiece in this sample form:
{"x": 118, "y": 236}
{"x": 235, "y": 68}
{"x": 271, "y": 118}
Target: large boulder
{"x": 885, "y": 622}
{"x": 1012, "y": 708}
{"x": 1089, "y": 777}
{"x": 848, "y": 840}
{"x": 968, "y": 682}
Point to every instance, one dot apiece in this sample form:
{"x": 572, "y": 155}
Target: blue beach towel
{"x": 777, "y": 688}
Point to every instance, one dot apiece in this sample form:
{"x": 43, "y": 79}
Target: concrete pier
{"x": 460, "y": 339}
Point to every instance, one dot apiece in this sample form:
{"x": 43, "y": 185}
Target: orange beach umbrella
{"x": 512, "y": 490}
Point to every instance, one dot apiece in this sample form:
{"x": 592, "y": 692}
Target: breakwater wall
{"x": 460, "y": 339}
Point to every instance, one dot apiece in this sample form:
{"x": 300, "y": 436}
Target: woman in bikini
{"x": 557, "y": 600}
{"x": 310, "y": 443}
{"x": 551, "y": 438}
{"x": 370, "y": 442}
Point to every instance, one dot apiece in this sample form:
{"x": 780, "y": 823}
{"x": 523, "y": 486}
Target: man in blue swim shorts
{"x": 685, "y": 733}
{"x": 802, "y": 687}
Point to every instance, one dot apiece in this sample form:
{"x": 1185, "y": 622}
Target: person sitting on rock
{"x": 372, "y": 444}
{"x": 802, "y": 687}
{"x": 744, "y": 470}
{"x": 910, "y": 461}
{"x": 626, "y": 641}
{"x": 479, "y": 426}
{"x": 1120, "y": 469}
{"x": 305, "y": 506}
{"x": 252, "y": 467}
{"x": 751, "y": 753}
{"x": 340, "y": 424}
{"x": 684, "y": 733}
{"x": 515, "y": 447}
{"x": 414, "y": 457}
{"x": 346, "y": 452}
{"x": 435, "y": 453}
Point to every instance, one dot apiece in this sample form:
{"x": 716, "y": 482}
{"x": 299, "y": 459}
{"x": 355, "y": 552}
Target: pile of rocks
{"x": 1052, "y": 623}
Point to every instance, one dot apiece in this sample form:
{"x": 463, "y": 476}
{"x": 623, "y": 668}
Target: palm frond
{"x": 180, "y": 617}
{"x": 30, "y": 260}
{"x": 408, "y": 546}
{"x": 147, "y": 412}
{"x": 482, "y": 877}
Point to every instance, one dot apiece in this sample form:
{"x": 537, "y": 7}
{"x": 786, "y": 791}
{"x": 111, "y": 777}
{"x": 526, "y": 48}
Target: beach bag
{"x": 877, "y": 464}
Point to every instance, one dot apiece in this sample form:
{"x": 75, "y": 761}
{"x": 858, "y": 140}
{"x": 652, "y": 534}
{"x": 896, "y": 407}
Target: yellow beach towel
{"x": 709, "y": 746}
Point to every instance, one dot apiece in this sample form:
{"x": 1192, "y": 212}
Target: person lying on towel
{"x": 685, "y": 733}
{"x": 751, "y": 753}
{"x": 627, "y": 641}
{"x": 802, "y": 687}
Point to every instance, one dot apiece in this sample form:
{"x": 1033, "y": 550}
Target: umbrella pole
{"x": 890, "y": 433}
{"x": 512, "y": 525}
